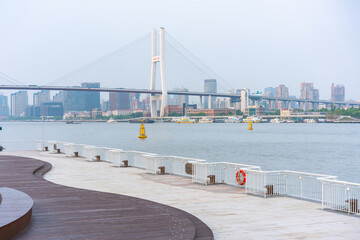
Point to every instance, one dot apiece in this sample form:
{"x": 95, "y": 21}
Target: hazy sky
{"x": 252, "y": 44}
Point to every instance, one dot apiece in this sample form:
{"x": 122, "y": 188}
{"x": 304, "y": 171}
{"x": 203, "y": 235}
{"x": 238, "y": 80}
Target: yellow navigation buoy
{"x": 250, "y": 125}
{"x": 142, "y": 131}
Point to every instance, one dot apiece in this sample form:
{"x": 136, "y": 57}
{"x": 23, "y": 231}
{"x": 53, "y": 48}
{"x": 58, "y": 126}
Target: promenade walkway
{"x": 226, "y": 210}
{"x": 62, "y": 212}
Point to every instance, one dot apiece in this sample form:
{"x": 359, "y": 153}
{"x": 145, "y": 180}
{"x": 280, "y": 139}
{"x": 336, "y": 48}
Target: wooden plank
{"x": 63, "y": 212}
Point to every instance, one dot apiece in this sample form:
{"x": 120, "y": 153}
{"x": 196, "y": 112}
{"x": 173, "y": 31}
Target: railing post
{"x": 322, "y": 195}
{"x": 265, "y": 192}
{"x": 301, "y": 195}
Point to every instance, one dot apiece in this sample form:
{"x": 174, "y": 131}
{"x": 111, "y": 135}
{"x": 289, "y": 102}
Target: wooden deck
{"x": 61, "y": 212}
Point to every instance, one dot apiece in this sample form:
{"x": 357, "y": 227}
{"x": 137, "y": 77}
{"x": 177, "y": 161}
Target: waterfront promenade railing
{"x": 332, "y": 193}
{"x": 290, "y": 183}
{"x": 340, "y": 196}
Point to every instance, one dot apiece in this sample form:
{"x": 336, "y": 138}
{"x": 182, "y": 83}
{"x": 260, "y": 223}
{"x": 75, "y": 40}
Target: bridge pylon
{"x": 161, "y": 60}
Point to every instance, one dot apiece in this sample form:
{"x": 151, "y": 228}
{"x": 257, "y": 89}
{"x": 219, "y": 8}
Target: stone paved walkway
{"x": 226, "y": 210}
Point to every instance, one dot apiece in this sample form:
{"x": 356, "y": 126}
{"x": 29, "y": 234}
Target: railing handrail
{"x": 339, "y": 182}
{"x": 249, "y": 168}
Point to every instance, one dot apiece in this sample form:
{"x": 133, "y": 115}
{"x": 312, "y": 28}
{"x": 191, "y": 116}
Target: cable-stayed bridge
{"x": 135, "y": 68}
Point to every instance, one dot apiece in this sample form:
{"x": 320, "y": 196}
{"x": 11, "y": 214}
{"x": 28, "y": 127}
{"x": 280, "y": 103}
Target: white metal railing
{"x": 70, "y": 149}
{"x": 106, "y": 154}
{"x": 290, "y": 183}
{"x": 40, "y": 145}
{"x": 334, "y": 194}
{"x": 182, "y": 166}
{"x": 265, "y": 183}
{"x": 118, "y": 157}
{"x": 155, "y": 162}
{"x": 232, "y": 173}
{"x": 52, "y": 146}
{"x": 208, "y": 173}
{"x": 60, "y": 146}
{"x": 304, "y": 185}
{"x": 139, "y": 160}
{"x": 90, "y": 152}
{"x": 340, "y": 196}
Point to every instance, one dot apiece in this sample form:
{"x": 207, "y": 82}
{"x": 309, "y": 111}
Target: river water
{"x": 332, "y": 149}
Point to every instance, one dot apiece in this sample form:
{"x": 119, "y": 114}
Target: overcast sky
{"x": 254, "y": 44}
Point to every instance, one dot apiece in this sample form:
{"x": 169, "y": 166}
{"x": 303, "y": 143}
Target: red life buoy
{"x": 240, "y": 177}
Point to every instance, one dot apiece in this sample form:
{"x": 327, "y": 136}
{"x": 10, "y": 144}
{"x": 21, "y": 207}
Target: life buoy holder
{"x": 241, "y": 177}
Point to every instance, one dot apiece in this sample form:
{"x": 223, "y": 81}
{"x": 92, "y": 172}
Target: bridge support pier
{"x": 158, "y": 59}
{"x": 200, "y": 105}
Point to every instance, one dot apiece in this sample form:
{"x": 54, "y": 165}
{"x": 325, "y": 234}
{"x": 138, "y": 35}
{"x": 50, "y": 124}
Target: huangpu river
{"x": 332, "y": 149}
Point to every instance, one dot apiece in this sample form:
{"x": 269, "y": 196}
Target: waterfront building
{"x": 286, "y": 112}
{"x": 181, "y": 99}
{"x": 293, "y": 104}
{"x": 337, "y": 93}
{"x": 59, "y": 97}
{"x": 105, "y": 106}
{"x": 92, "y": 99}
{"x": 135, "y": 102}
{"x": 269, "y": 92}
{"x": 210, "y": 86}
{"x": 54, "y": 109}
{"x": 228, "y": 102}
{"x": 96, "y": 113}
{"x": 220, "y": 103}
{"x": 245, "y": 98}
{"x": 119, "y": 100}
{"x": 208, "y": 112}
{"x": 173, "y": 109}
{"x": 309, "y": 93}
{"x": 254, "y": 110}
{"x": 41, "y": 97}
{"x": 4, "y": 106}
{"x": 74, "y": 101}
{"x": 32, "y": 111}
{"x": 19, "y": 102}
{"x": 282, "y": 92}
{"x": 77, "y": 115}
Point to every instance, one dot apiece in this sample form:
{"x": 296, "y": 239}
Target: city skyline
{"x": 290, "y": 42}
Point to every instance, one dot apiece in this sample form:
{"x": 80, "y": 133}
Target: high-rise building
{"x": 119, "y": 100}
{"x": 59, "y": 97}
{"x": 32, "y": 111}
{"x": 308, "y": 92}
{"x": 54, "y": 109}
{"x": 245, "y": 99}
{"x": 269, "y": 92}
{"x": 105, "y": 106}
{"x": 282, "y": 92}
{"x": 41, "y": 97}
{"x": 74, "y": 101}
{"x": 135, "y": 102}
{"x": 181, "y": 99}
{"x": 19, "y": 102}
{"x": 337, "y": 93}
{"x": 4, "y": 106}
{"x": 210, "y": 86}
{"x": 92, "y": 99}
